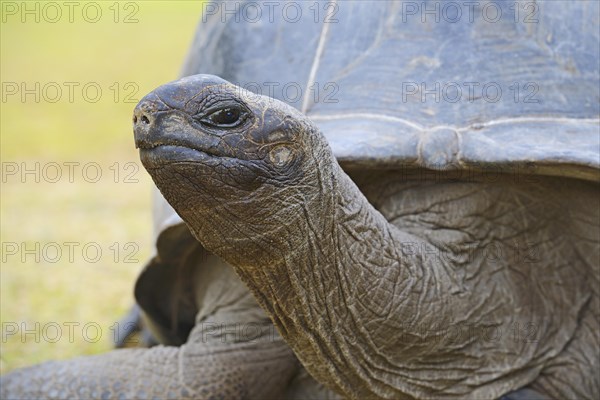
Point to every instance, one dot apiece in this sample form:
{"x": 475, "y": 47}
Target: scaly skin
{"x": 366, "y": 288}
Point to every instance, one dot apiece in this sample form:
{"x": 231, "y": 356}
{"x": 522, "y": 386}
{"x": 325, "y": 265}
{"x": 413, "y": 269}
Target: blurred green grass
{"x": 112, "y": 210}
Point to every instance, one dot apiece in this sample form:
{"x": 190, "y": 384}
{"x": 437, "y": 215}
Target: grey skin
{"x": 364, "y": 275}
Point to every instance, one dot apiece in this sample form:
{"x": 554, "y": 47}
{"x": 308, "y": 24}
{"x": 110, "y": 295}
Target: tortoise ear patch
{"x": 281, "y": 155}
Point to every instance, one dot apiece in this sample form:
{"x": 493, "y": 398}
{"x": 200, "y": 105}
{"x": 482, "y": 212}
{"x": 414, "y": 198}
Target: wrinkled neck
{"x": 325, "y": 262}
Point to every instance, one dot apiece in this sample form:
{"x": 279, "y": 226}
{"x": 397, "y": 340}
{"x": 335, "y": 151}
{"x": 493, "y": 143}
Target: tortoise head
{"x": 233, "y": 164}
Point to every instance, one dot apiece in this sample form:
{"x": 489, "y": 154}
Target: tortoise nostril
{"x": 144, "y": 114}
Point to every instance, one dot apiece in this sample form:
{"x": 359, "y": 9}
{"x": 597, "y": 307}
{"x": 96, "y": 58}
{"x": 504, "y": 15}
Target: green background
{"x": 127, "y": 54}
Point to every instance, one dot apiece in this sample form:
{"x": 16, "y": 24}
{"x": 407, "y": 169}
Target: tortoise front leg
{"x": 200, "y": 368}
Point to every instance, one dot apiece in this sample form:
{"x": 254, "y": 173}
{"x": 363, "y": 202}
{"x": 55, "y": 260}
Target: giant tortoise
{"x": 423, "y": 224}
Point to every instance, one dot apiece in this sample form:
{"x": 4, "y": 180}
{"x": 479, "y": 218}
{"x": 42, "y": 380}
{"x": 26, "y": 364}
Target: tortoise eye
{"x": 228, "y": 117}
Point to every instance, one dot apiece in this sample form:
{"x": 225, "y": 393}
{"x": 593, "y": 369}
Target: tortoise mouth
{"x": 159, "y": 154}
